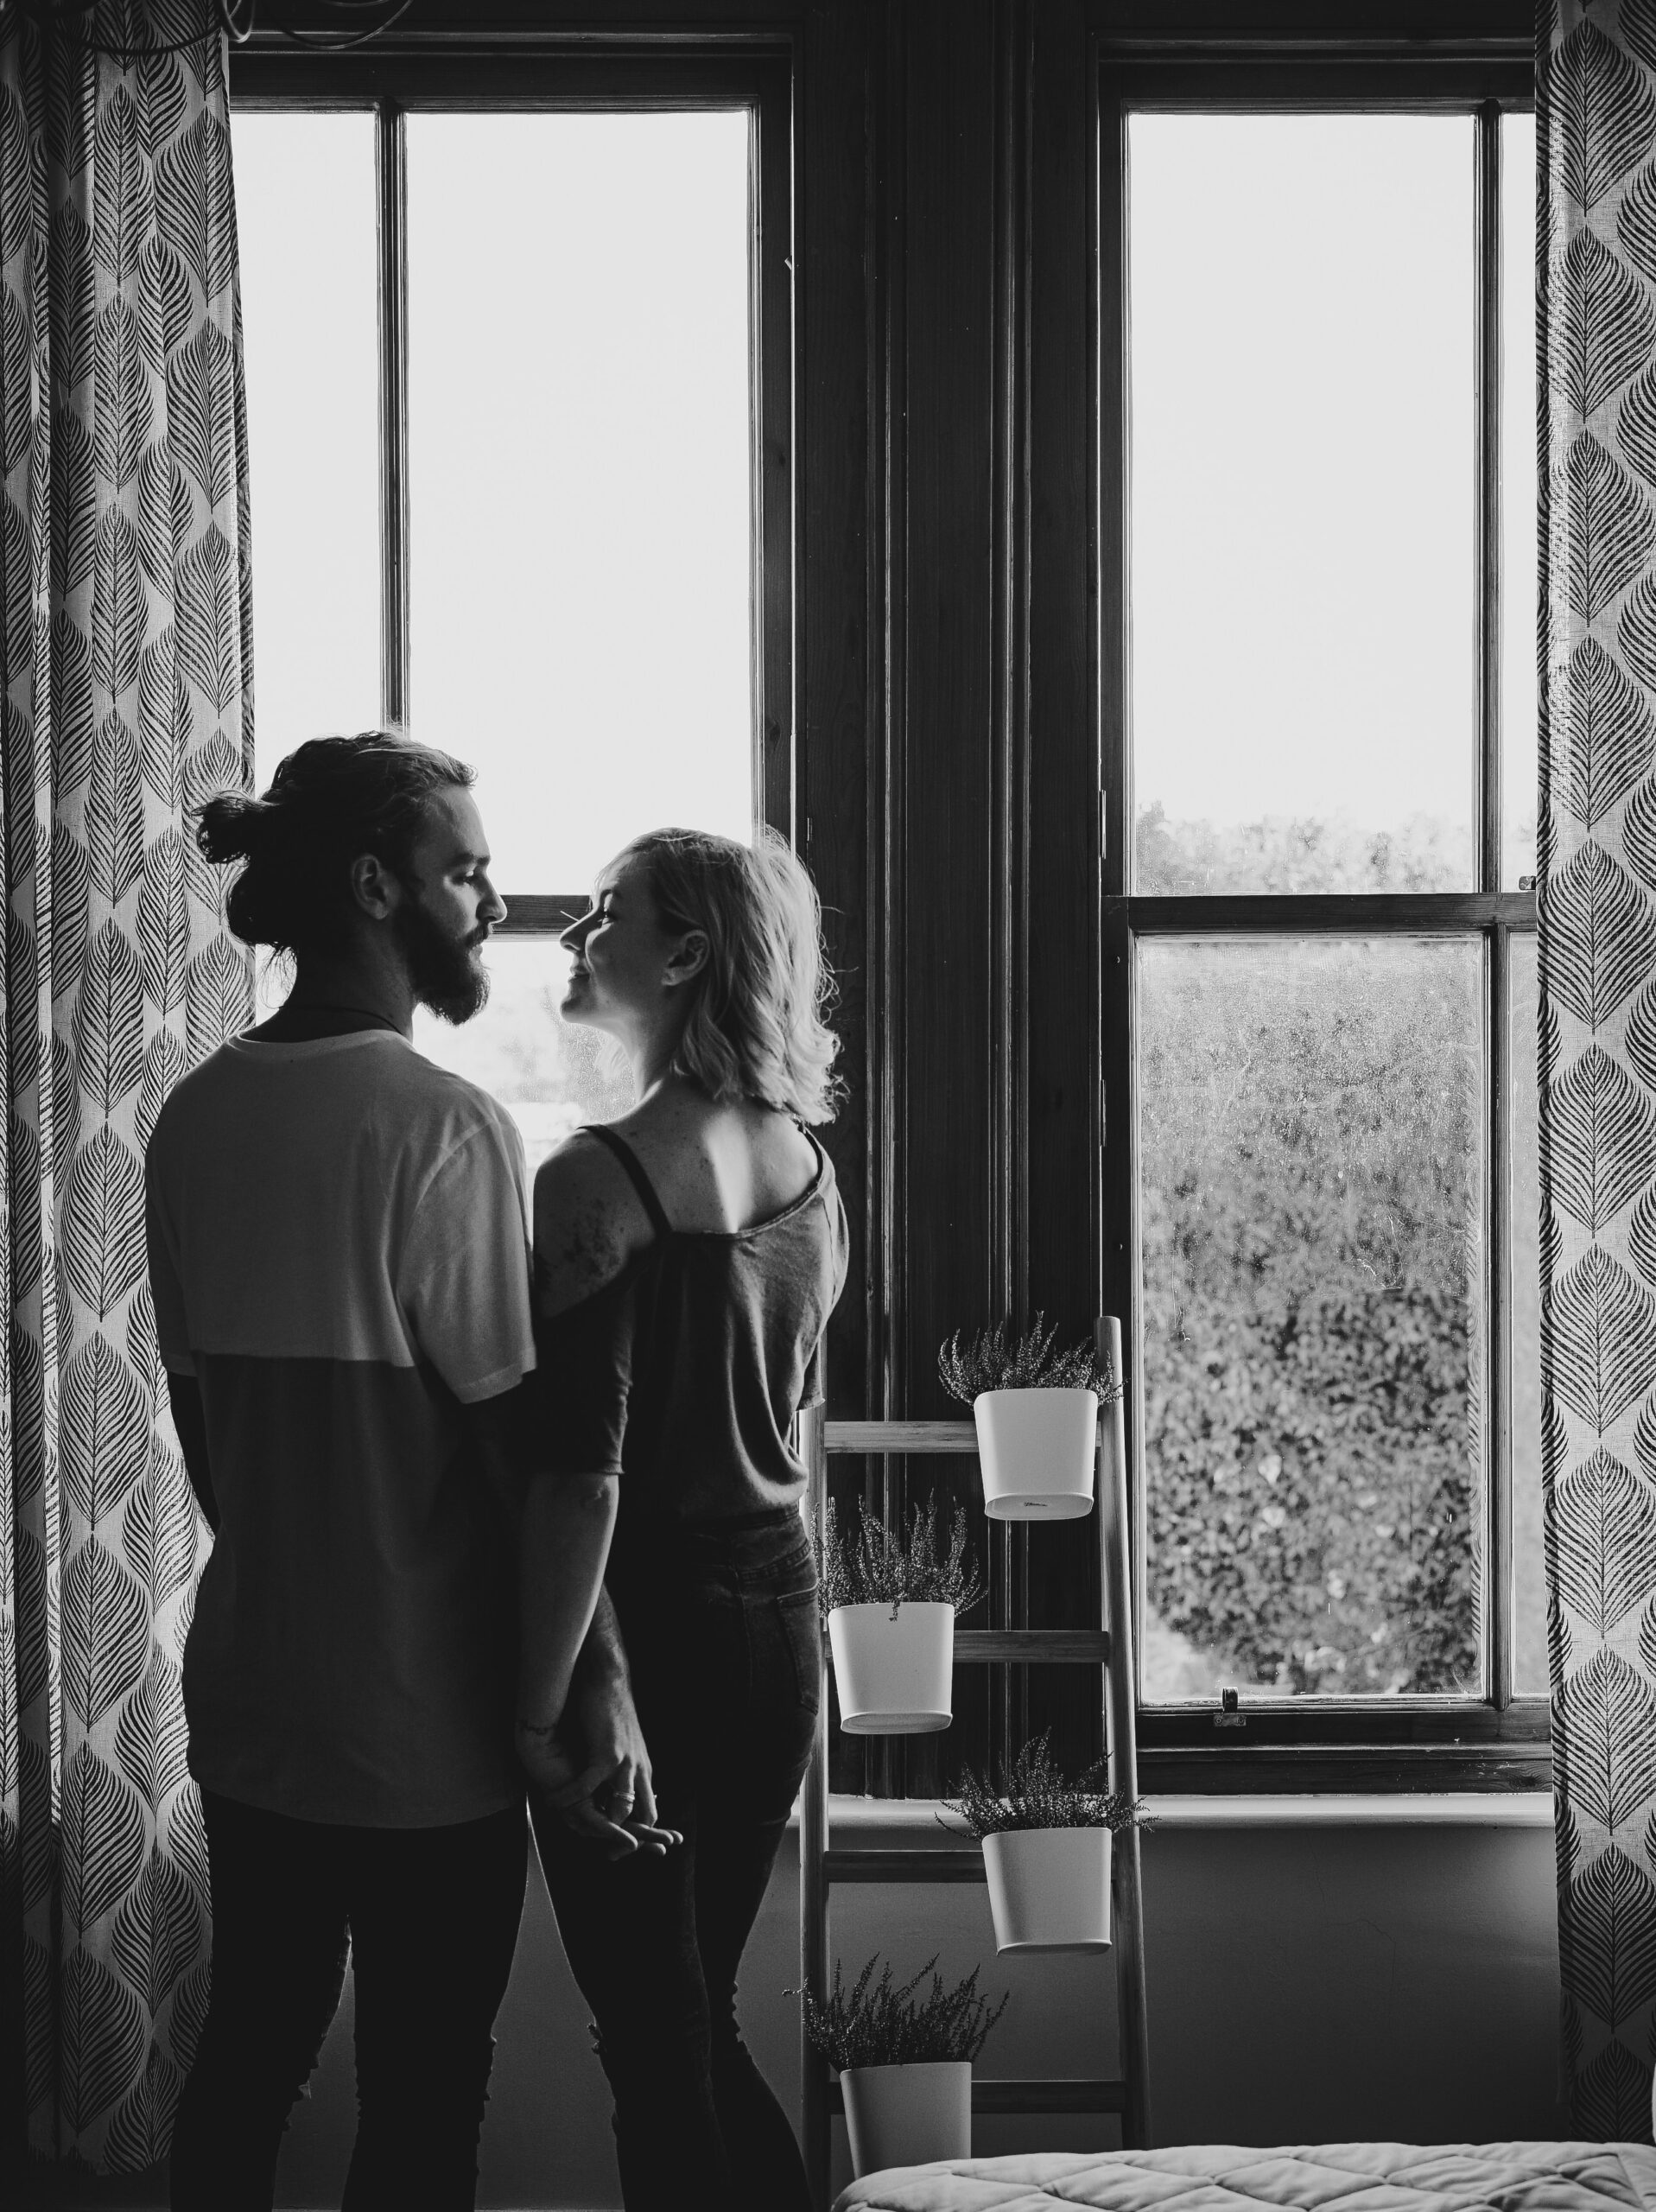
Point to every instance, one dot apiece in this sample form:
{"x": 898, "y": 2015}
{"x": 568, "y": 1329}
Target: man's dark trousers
{"x": 428, "y": 1917}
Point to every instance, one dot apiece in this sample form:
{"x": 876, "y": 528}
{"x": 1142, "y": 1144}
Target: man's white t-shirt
{"x": 339, "y": 1254}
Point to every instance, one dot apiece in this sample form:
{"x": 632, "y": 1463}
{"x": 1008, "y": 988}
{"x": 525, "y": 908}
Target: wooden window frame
{"x": 583, "y": 78}
{"x": 1498, "y": 1741}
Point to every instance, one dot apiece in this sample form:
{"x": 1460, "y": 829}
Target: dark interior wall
{"x": 978, "y": 863}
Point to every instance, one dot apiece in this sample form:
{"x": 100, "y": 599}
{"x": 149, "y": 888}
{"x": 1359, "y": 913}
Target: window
{"x": 547, "y": 523}
{"x": 1319, "y": 911}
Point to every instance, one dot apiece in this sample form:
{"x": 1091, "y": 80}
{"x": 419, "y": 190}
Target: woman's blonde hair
{"x": 756, "y": 1028}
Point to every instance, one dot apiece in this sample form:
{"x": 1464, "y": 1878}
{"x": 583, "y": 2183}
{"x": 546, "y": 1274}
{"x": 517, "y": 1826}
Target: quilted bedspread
{"x": 1302, "y": 2177}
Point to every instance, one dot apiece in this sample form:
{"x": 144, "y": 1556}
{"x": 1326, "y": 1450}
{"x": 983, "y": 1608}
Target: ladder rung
{"x": 1030, "y": 2096}
{"x": 1018, "y": 1647}
{"x": 922, "y": 1865}
{"x": 864, "y": 1436}
{"x": 857, "y": 1436}
{"x": 1059, "y": 1647}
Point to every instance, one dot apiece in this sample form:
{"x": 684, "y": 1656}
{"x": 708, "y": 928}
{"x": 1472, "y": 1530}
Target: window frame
{"x": 1498, "y": 1741}
{"x": 391, "y": 86}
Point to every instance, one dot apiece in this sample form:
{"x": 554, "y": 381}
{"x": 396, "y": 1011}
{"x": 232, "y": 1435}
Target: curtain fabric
{"x": 1597, "y": 159}
{"x": 125, "y": 683}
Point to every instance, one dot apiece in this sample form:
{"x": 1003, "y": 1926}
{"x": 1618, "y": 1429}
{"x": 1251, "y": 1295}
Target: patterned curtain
{"x": 125, "y": 674}
{"x": 1596, "y": 146}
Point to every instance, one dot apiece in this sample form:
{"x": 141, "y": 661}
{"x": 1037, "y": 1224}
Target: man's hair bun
{"x": 329, "y": 803}
{"x": 230, "y": 827}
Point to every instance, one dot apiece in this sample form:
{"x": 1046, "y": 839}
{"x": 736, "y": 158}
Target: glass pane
{"x": 1301, "y": 502}
{"x": 548, "y": 1077}
{"x": 1529, "y": 1557}
{"x": 579, "y": 476}
{"x": 1311, "y": 1220}
{"x": 1520, "y": 498}
{"x": 306, "y": 226}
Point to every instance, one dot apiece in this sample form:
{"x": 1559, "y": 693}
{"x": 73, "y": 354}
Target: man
{"x": 338, "y": 1254}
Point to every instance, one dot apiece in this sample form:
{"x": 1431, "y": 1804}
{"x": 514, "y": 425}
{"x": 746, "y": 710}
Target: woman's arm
{"x": 574, "y": 1693}
{"x": 589, "y": 1222}
{"x": 563, "y": 1545}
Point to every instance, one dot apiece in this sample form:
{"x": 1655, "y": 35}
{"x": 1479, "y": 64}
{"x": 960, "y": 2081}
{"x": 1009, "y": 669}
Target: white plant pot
{"x": 893, "y": 1667}
{"x": 1050, "y": 1888}
{"x": 907, "y": 2115}
{"x": 1038, "y": 1450}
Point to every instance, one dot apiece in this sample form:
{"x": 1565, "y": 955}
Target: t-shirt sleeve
{"x": 172, "y": 1330}
{"x": 586, "y": 1380}
{"x": 463, "y": 1276}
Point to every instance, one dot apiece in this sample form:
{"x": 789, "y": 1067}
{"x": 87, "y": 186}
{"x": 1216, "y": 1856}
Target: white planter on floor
{"x": 893, "y": 1667}
{"x": 1050, "y": 1888}
{"x": 905, "y": 2115}
{"x": 1038, "y": 1450}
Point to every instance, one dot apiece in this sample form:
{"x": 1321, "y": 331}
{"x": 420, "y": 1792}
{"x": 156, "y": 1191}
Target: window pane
{"x": 1301, "y": 502}
{"x": 1529, "y": 1558}
{"x": 1310, "y": 1202}
{"x": 581, "y": 566}
{"x": 548, "y": 1077}
{"x": 306, "y": 226}
{"x": 1520, "y": 497}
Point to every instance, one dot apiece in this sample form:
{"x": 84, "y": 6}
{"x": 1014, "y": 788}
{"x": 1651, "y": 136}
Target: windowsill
{"x": 856, "y": 1820}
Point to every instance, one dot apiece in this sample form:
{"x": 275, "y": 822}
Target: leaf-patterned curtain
{"x": 1596, "y": 147}
{"x": 125, "y": 676}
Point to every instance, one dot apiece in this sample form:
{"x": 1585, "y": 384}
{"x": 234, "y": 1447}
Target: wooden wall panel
{"x": 843, "y": 719}
{"x": 942, "y": 889}
{"x": 838, "y": 721}
{"x": 1060, "y": 1137}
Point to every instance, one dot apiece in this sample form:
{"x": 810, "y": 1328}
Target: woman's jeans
{"x": 429, "y": 1916}
{"x": 724, "y": 1643}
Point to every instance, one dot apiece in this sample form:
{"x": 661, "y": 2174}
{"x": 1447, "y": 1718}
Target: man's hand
{"x": 606, "y": 1795}
{"x": 616, "y": 1766}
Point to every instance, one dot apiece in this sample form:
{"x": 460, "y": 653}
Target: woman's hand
{"x": 616, "y": 1768}
{"x": 605, "y": 1793}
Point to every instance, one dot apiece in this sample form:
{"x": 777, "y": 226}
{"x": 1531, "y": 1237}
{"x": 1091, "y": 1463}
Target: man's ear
{"x": 688, "y": 958}
{"x": 374, "y": 887}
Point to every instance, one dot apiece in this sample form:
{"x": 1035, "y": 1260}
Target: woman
{"x": 686, "y": 1262}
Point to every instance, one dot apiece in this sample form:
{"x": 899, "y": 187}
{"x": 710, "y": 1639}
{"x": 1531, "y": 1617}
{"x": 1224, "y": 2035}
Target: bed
{"x": 1305, "y": 2177}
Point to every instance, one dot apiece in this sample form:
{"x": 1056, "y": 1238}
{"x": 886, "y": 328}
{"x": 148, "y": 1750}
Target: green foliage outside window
{"x": 1310, "y": 1176}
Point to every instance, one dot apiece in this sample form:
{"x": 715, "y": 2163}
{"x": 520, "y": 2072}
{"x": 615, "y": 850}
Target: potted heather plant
{"x": 1036, "y": 1413}
{"x": 1046, "y": 1850}
{"x": 904, "y": 2063}
{"x": 891, "y": 1595}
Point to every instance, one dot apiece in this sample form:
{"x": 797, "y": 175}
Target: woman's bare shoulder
{"x": 589, "y": 1222}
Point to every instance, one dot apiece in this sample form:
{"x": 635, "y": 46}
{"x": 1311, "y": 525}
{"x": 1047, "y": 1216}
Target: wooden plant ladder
{"x": 1110, "y": 1647}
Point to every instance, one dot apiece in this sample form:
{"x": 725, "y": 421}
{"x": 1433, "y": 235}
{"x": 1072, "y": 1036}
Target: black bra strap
{"x": 641, "y": 1182}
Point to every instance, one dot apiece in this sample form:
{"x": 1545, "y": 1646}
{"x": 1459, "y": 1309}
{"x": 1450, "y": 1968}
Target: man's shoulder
{"x": 449, "y": 1109}
{"x": 196, "y": 1090}
{"x": 410, "y": 1104}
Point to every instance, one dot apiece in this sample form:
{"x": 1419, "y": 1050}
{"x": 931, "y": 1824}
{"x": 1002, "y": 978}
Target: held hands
{"x": 593, "y": 1769}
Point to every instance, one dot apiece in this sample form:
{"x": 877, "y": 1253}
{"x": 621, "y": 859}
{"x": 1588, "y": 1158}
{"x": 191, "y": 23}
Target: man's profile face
{"x": 450, "y": 907}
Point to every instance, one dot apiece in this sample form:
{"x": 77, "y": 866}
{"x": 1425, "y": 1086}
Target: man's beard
{"x": 446, "y": 973}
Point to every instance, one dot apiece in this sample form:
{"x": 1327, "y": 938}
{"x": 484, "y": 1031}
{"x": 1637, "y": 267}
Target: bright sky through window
{"x": 1520, "y": 497}
{"x": 579, "y": 475}
{"x": 305, "y": 227}
{"x": 1302, "y": 474}
{"x": 580, "y": 461}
